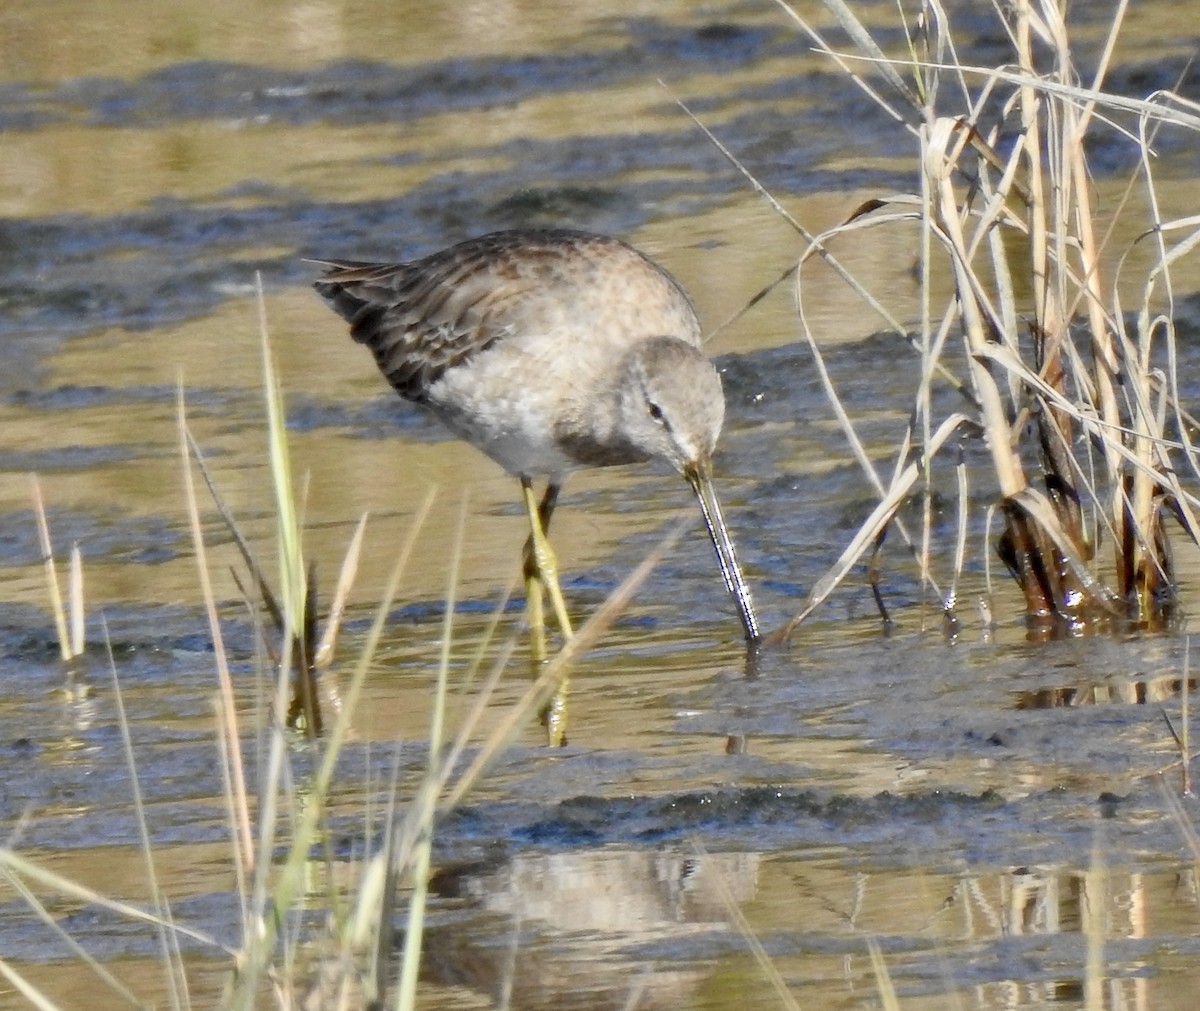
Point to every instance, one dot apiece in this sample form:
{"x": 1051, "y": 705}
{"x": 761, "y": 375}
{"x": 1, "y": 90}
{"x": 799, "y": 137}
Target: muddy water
{"x": 964, "y": 804}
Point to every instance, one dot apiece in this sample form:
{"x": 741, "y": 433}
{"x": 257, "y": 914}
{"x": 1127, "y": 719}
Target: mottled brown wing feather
{"x": 412, "y": 316}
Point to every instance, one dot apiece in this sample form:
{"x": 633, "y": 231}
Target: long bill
{"x": 700, "y": 478}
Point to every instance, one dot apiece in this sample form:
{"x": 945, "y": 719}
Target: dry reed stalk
{"x": 230, "y": 735}
{"x": 1045, "y": 388}
{"x": 69, "y": 615}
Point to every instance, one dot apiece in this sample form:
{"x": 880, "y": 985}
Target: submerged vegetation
{"x": 1074, "y": 395}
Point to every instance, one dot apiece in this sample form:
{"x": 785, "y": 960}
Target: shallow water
{"x": 962, "y": 802}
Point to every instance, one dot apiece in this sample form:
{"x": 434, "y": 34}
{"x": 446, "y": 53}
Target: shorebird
{"x": 549, "y": 350}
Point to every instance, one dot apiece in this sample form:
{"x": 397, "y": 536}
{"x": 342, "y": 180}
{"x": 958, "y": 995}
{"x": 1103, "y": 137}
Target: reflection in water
{"x": 599, "y": 929}
{"x": 1113, "y": 691}
{"x": 80, "y": 712}
{"x": 1095, "y": 905}
{"x": 574, "y": 924}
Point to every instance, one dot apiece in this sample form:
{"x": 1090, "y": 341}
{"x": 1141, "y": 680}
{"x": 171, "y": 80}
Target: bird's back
{"x": 557, "y": 292}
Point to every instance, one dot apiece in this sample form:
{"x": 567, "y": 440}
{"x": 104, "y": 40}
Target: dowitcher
{"x": 550, "y": 351}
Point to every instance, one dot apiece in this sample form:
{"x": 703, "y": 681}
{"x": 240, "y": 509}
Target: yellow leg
{"x": 535, "y": 617}
{"x": 541, "y": 577}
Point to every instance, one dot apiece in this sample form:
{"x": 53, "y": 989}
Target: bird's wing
{"x": 422, "y": 318}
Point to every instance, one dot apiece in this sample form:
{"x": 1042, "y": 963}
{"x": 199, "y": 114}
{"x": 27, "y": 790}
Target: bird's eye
{"x": 656, "y": 412}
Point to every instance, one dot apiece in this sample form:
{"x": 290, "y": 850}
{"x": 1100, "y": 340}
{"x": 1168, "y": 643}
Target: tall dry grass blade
{"x": 292, "y": 571}
{"x": 346, "y": 576}
{"x": 171, "y": 971}
{"x": 239, "y": 539}
{"x": 1184, "y": 424}
{"x": 26, "y": 989}
{"x": 57, "y": 611}
{"x": 854, "y": 28}
{"x": 474, "y": 715}
{"x": 487, "y": 637}
{"x": 227, "y": 710}
{"x": 297, "y": 581}
{"x": 76, "y": 598}
{"x": 859, "y": 35}
{"x": 370, "y": 926}
{"x": 77, "y": 950}
{"x": 271, "y": 908}
{"x": 427, "y": 796}
{"x": 290, "y": 876}
{"x": 939, "y": 161}
{"x": 950, "y": 602}
{"x": 15, "y": 863}
{"x": 241, "y": 859}
{"x": 883, "y": 979}
{"x": 1185, "y": 717}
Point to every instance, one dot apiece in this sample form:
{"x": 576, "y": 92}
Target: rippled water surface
{"x": 981, "y": 807}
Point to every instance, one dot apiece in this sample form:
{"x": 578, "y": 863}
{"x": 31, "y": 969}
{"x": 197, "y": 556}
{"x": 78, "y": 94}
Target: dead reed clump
{"x": 1085, "y": 433}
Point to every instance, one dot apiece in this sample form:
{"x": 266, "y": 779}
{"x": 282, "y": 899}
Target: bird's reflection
{"x": 578, "y": 929}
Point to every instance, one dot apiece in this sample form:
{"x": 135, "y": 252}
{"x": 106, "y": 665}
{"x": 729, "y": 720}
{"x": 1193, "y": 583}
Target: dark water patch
{"x": 74, "y": 786}
{"x": 550, "y": 205}
{"x": 383, "y": 417}
{"x": 930, "y": 829}
{"x": 361, "y": 91}
{"x": 148, "y": 269}
{"x": 1110, "y": 152}
{"x": 110, "y": 936}
{"x": 875, "y": 378}
{"x": 748, "y": 813}
{"x": 85, "y": 273}
{"x": 24, "y": 108}
{"x": 67, "y": 458}
{"x": 1187, "y": 318}
{"x": 74, "y": 396}
{"x": 786, "y": 150}
{"x": 913, "y": 695}
{"x": 110, "y": 535}
{"x": 1173, "y": 73}
{"x": 151, "y": 644}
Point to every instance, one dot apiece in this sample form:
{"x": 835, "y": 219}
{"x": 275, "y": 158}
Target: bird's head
{"x": 670, "y": 403}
